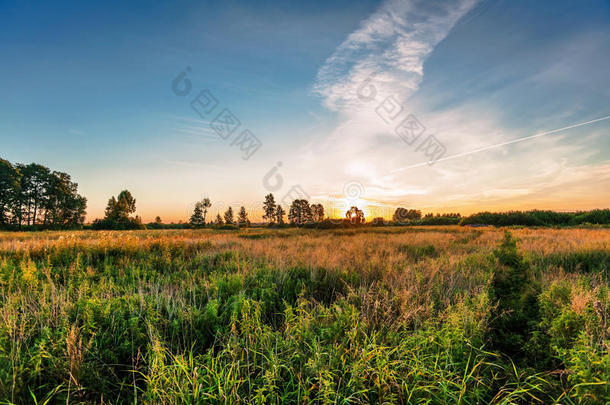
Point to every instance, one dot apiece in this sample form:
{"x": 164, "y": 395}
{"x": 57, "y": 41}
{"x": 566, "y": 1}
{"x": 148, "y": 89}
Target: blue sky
{"x": 87, "y": 90}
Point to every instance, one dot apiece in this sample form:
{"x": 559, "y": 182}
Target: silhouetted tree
{"x": 355, "y": 215}
{"x": 299, "y": 212}
{"x": 117, "y": 214}
{"x": 279, "y": 215}
{"x": 34, "y": 183}
{"x": 405, "y": 215}
{"x": 62, "y": 205}
{"x": 205, "y": 206}
{"x": 33, "y": 195}
{"x": 414, "y": 214}
{"x": 197, "y": 219}
{"x": 229, "y": 216}
{"x": 269, "y": 208}
{"x": 317, "y": 212}
{"x": 10, "y": 189}
{"x": 242, "y": 217}
{"x": 219, "y": 220}
{"x": 158, "y": 220}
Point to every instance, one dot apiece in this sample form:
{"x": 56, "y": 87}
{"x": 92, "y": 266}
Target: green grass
{"x": 291, "y": 316}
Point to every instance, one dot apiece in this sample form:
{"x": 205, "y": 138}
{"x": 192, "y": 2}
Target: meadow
{"x": 435, "y": 315}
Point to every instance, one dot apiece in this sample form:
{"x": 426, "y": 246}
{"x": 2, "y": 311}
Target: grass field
{"x": 375, "y": 315}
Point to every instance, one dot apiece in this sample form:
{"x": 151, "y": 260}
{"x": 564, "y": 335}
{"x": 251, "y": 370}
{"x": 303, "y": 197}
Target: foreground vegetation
{"x": 372, "y": 315}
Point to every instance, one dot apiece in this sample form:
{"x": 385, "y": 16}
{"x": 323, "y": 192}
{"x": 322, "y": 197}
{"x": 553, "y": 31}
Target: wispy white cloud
{"x": 391, "y": 47}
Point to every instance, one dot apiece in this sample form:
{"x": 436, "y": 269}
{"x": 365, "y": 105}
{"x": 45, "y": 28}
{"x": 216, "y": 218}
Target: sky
{"x": 443, "y": 106}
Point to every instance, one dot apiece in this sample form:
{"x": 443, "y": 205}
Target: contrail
{"x": 502, "y": 144}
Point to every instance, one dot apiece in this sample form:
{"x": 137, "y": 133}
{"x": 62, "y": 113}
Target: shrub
{"x": 379, "y": 221}
{"x": 514, "y": 293}
{"x": 332, "y": 224}
{"x": 227, "y": 227}
{"x": 538, "y": 218}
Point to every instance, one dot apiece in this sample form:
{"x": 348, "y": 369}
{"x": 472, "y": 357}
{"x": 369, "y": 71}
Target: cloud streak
{"x": 391, "y": 47}
{"x": 499, "y": 145}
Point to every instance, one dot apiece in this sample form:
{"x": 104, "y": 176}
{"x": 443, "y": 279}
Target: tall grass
{"x": 381, "y": 315}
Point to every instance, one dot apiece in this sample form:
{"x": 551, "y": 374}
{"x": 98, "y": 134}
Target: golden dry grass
{"x": 397, "y": 279}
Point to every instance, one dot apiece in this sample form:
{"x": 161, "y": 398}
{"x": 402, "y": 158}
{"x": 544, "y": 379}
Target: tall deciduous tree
{"x": 404, "y": 215}
{"x": 34, "y": 184}
{"x": 317, "y": 212}
{"x": 62, "y": 205}
{"x": 242, "y": 217}
{"x": 355, "y": 215}
{"x": 269, "y": 208}
{"x": 279, "y": 215}
{"x": 205, "y": 206}
{"x": 300, "y": 212}
{"x": 33, "y": 195}
{"x": 118, "y": 211}
{"x": 229, "y": 216}
{"x": 10, "y": 188}
{"x": 200, "y": 212}
{"x": 197, "y": 219}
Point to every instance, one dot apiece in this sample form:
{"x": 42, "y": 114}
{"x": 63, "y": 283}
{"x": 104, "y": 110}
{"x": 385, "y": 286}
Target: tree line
{"x": 300, "y": 213}
{"x": 539, "y": 218}
{"x": 34, "y": 196}
{"x": 201, "y": 210}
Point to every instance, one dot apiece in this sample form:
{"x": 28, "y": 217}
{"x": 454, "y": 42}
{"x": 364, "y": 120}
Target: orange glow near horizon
{"x": 336, "y": 208}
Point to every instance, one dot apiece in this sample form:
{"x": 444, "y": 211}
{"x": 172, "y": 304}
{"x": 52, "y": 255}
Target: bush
{"x": 126, "y": 224}
{"x": 227, "y": 227}
{"x": 573, "y": 334}
{"x": 514, "y": 293}
{"x": 332, "y": 224}
{"x": 379, "y": 221}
